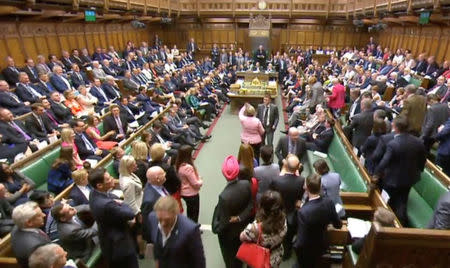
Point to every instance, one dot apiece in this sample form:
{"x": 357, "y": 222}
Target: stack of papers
{"x": 358, "y": 228}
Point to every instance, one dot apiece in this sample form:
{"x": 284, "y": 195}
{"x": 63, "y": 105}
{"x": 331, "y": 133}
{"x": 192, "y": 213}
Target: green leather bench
{"x": 353, "y": 255}
{"x": 95, "y": 258}
{"x": 423, "y": 199}
{"x": 339, "y": 161}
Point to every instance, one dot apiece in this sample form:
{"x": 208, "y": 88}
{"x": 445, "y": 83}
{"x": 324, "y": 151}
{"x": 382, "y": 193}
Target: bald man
{"x": 290, "y": 186}
{"x": 290, "y": 144}
{"x": 153, "y": 190}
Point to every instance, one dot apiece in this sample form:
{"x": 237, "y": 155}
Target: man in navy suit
{"x": 97, "y": 91}
{"x": 31, "y": 70}
{"x": 87, "y": 149}
{"x": 77, "y": 77}
{"x": 10, "y": 101}
{"x": 176, "y": 238}
{"x": 11, "y": 73}
{"x": 26, "y": 91}
{"x": 313, "y": 219}
{"x": 113, "y": 218}
{"x": 402, "y": 164}
{"x": 110, "y": 88}
{"x": 43, "y": 86}
{"x": 59, "y": 81}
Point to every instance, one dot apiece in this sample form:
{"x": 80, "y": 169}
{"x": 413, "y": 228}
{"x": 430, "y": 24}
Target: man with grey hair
{"x": 49, "y": 256}
{"x": 27, "y": 235}
{"x": 98, "y": 71}
{"x": 290, "y": 144}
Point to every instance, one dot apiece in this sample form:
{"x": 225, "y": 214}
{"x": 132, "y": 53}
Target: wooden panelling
{"x": 28, "y": 39}
{"x": 433, "y": 40}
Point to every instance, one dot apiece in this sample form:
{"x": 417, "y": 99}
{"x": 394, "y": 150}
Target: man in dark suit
{"x": 31, "y": 71}
{"x": 59, "y": 80}
{"x": 113, "y": 217}
{"x": 66, "y": 60}
{"x": 75, "y": 58}
{"x": 268, "y": 115}
{"x": 77, "y": 77}
{"x": 73, "y": 233}
{"x": 192, "y": 47}
{"x": 436, "y": 115}
{"x": 43, "y": 86}
{"x": 313, "y": 219}
{"x": 441, "y": 215}
{"x": 400, "y": 167}
{"x": 26, "y": 91}
{"x": 87, "y": 149}
{"x": 321, "y": 141}
{"x": 154, "y": 189}
{"x": 260, "y": 56}
{"x": 10, "y": 100}
{"x": 14, "y": 131}
{"x": 362, "y": 124}
{"x": 176, "y": 238}
{"x": 36, "y": 126}
{"x": 61, "y": 112}
{"x": 290, "y": 186}
{"x": 111, "y": 89}
{"x": 232, "y": 212}
{"x": 11, "y": 72}
{"x": 117, "y": 122}
{"x": 439, "y": 89}
{"x": 27, "y": 235}
{"x": 290, "y": 144}
{"x": 97, "y": 91}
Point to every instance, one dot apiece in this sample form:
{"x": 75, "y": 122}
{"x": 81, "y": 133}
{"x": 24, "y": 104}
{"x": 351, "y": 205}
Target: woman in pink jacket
{"x": 336, "y": 101}
{"x": 252, "y": 128}
{"x": 191, "y": 182}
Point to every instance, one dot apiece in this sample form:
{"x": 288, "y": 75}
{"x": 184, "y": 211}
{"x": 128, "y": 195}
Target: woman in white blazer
{"x": 133, "y": 193}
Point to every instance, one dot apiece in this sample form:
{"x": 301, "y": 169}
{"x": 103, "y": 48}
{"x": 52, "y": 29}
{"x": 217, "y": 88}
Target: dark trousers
{"x": 308, "y": 258}
{"x": 128, "y": 261}
{"x": 193, "y": 206}
{"x": 256, "y": 148}
{"x": 291, "y": 231}
{"x": 398, "y": 200}
{"x": 444, "y": 162}
{"x": 268, "y": 136}
{"x": 229, "y": 246}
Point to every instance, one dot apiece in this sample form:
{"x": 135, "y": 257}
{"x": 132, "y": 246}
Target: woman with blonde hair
{"x": 86, "y": 100}
{"x": 68, "y": 139}
{"x": 72, "y": 104}
{"x": 252, "y": 128}
{"x": 133, "y": 194}
{"x": 139, "y": 151}
{"x": 246, "y": 170}
{"x": 80, "y": 191}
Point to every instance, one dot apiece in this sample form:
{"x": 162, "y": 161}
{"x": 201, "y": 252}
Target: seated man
{"x": 111, "y": 88}
{"x": 14, "y": 131}
{"x": 39, "y": 126}
{"x": 27, "y": 235}
{"x": 50, "y": 256}
{"x": 59, "y": 80}
{"x": 87, "y": 149}
{"x": 98, "y": 92}
{"x": 6, "y": 222}
{"x": 10, "y": 101}
{"x": 61, "y": 112}
{"x": 132, "y": 112}
{"x": 150, "y": 107}
{"x": 11, "y": 72}
{"x": 321, "y": 141}
{"x": 77, "y": 77}
{"x": 441, "y": 215}
{"x": 129, "y": 83}
{"x": 74, "y": 235}
{"x": 26, "y": 91}
{"x": 98, "y": 71}
{"x": 43, "y": 86}
{"x": 116, "y": 122}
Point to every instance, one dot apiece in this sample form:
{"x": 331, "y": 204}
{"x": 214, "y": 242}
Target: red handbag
{"x": 253, "y": 254}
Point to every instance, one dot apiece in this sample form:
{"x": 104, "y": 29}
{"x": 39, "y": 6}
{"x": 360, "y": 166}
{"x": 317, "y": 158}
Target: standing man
{"x": 232, "y": 212}
{"x": 176, "y": 239}
{"x": 414, "y": 108}
{"x": 401, "y": 164}
{"x": 215, "y": 55}
{"x": 192, "y": 47}
{"x": 268, "y": 115}
{"x": 313, "y": 219}
{"x": 114, "y": 219}
{"x": 260, "y": 56}
{"x": 290, "y": 144}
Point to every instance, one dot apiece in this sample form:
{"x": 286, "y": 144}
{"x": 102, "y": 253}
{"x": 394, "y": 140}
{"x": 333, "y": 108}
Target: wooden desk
{"x": 262, "y": 76}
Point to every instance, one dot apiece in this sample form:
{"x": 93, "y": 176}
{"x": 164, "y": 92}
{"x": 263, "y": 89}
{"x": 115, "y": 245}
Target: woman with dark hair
{"x": 330, "y": 184}
{"x": 269, "y": 228}
{"x": 191, "y": 182}
{"x": 367, "y": 149}
{"x": 16, "y": 184}
{"x": 60, "y": 175}
{"x": 93, "y": 132}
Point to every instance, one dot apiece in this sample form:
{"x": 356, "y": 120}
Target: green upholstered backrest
{"x": 343, "y": 164}
{"x": 51, "y": 156}
{"x": 109, "y": 167}
{"x": 430, "y": 188}
{"x": 101, "y": 129}
{"x": 37, "y": 171}
{"x": 415, "y": 82}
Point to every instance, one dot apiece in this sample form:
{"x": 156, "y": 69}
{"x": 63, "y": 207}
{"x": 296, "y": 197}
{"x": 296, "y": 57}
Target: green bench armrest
{"x": 95, "y": 257}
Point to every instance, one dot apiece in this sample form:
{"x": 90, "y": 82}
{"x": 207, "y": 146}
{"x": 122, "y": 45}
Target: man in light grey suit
{"x": 27, "y": 235}
{"x": 266, "y": 171}
{"x": 317, "y": 93}
{"x": 441, "y": 215}
{"x": 268, "y": 115}
{"x": 75, "y": 236}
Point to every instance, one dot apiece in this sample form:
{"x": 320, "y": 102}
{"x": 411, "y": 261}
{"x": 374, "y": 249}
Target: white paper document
{"x": 385, "y": 196}
{"x": 358, "y": 228}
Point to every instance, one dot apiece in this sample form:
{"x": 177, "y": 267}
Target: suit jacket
{"x": 148, "y": 201}
{"x": 95, "y": 91}
{"x": 273, "y": 115}
{"x": 76, "y": 238}
{"x": 234, "y": 200}
{"x": 61, "y": 112}
{"x": 361, "y": 124}
{"x": 436, "y": 115}
{"x": 109, "y": 124}
{"x": 265, "y": 175}
{"x": 32, "y": 73}
{"x": 79, "y": 80}
{"x": 24, "y": 243}
{"x": 11, "y": 102}
{"x": 44, "y": 88}
{"x": 77, "y": 197}
{"x": 440, "y": 219}
{"x": 11, "y": 134}
{"x": 290, "y": 187}
{"x": 24, "y": 94}
{"x": 282, "y": 149}
{"x": 11, "y": 75}
{"x": 317, "y": 95}
{"x": 183, "y": 249}
{"x": 313, "y": 219}
{"x": 324, "y": 139}
{"x": 111, "y": 91}
{"x": 83, "y": 150}
{"x": 126, "y": 112}
{"x": 116, "y": 240}
{"x": 35, "y": 129}
{"x": 67, "y": 63}
{"x": 129, "y": 84}
{"x": 403, "y": 161}
{"x": 414, "y": 108}
{"x": 58, "y": 83}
